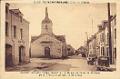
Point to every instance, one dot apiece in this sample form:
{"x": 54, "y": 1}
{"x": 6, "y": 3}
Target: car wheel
{"x": 98, "y": 69}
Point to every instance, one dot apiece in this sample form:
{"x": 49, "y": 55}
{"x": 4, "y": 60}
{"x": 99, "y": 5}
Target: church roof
{"x": 46, "y": 19}
{"x": 58, "y": 37}
{"x": 33, "y": 38}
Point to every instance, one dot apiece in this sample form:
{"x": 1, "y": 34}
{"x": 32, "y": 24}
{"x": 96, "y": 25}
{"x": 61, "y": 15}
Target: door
{"x": 8, "y": 55}
{"x": 21, "y": 54}
{"x": 47, "y": 52}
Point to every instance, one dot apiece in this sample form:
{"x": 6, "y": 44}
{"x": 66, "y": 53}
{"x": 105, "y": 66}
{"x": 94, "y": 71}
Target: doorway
{"x": 21, "y": 54}
{"x": 47, "y": 52}
{"x": 8, "y": 55}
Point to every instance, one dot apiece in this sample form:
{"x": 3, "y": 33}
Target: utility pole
{"x": 87, "y": 43}
{"x": 109, "y": 29}
{"x": 92, "y": 25}
{"x": 91, "y": 22}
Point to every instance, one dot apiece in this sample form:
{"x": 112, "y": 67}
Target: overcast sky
{"x": 71, "y": 20}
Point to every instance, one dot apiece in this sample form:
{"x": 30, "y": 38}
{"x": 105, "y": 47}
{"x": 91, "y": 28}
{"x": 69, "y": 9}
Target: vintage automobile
{"x": 91, "y": 59}
{"x": 102, "y": 64}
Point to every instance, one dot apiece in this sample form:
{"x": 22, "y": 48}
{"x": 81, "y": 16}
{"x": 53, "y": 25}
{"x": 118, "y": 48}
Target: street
{"x": 73, "y": 63}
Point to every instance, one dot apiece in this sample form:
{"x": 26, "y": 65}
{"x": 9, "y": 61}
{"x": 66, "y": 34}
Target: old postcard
{"x": 55, "y": 39}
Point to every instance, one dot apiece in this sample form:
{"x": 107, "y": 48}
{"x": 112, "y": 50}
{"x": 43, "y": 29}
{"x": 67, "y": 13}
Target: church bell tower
{"x": 46, "y": 24}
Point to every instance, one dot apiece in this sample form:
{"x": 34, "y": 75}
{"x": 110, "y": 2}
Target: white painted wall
{"x": 37, "y": 48}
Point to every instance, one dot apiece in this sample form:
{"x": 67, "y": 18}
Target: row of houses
{"x": 98, "y": 44}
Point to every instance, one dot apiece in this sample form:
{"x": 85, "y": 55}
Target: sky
{"x": 71, "y": 20}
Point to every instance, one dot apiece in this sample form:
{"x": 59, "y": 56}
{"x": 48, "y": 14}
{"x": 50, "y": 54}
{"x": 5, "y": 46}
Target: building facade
{"x": 99, "y": 42}
{"x": 47, "y": 44}
{"x": 113, "y": 32}
{"x": 16, "y": 37}
{"x": 92, "y": 46}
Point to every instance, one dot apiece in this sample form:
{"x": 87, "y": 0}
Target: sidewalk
{"x": 29, "y": 66}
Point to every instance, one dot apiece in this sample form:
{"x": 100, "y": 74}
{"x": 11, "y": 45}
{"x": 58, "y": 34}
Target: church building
{"x": 47, "y": 44}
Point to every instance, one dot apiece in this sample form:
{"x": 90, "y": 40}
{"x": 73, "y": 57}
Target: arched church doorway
{"x": 21, "y": 53}
{"x": 47, "y": 52}
{"x": 8, "y": 55}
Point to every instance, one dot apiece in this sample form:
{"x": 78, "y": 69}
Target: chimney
{"x": 7, "y": 7}
{"x": 99, "y": 27}
{"x": 104, "y": 23}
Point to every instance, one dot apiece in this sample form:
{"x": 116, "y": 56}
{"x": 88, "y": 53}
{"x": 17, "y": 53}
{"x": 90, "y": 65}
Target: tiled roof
{"x": 58, "y": 37}
{"x": 16, "y": 11}
{"x": 33, "y": 38}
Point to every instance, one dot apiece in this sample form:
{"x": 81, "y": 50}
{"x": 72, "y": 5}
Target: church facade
{"x": 47, "y": 44}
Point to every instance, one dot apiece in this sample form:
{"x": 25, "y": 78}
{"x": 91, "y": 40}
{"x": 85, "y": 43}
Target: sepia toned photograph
{"x": 60, "y": 37}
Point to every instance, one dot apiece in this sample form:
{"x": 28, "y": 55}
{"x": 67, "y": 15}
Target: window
{"x": 21, "y": 33}
{"x": 107, "y": 38}
{"x": 68, "y": 49}
{"x": 6, "y": 29}
{"x": 14, "y": 31}
{"x": 115, "y": 52}
{"x": 103, "y": 51}
{"x": 6, "y": 9}
{"x": 102, "y": 37}
{"x": 115, "y": 33}
{"x": 107, "y": 51}
{"x": 20, "y": 18}
{"x": 115, "y": 21}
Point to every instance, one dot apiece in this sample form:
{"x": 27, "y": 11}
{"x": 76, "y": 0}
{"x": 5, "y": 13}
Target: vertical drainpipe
{"x": 11, "y": 38}
{"x": 13, "y": 55}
